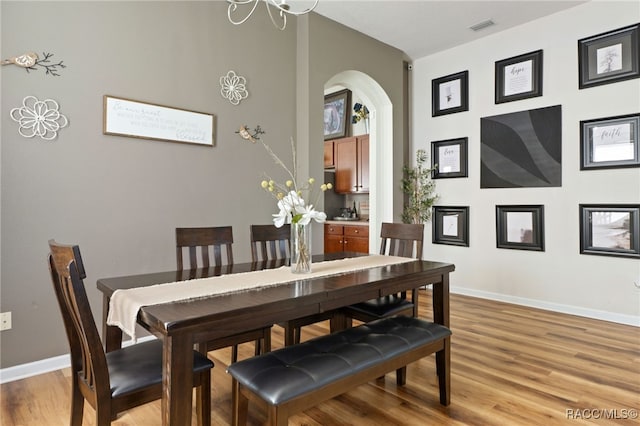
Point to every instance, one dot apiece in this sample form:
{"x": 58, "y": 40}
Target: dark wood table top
{"x": 261, "y": 307}
{"x": 181, "y": 324}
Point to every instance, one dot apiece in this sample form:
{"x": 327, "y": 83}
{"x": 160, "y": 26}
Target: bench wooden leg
{"x": 443, "y": 368}
{"x": 401, "y": 376}
{"x": 240, "y": 405}
{"x": 276, "y": 416}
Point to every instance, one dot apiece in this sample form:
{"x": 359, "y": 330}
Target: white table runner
{"x": 125, "y": 304}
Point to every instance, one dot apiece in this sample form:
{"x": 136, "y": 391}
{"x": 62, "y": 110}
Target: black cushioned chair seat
{"x": 138, "y": 366}
{"x": 382, "y": 307}
{"x": 284, "y": 374}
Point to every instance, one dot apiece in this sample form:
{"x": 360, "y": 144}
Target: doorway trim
{"x": 380, "y": 146}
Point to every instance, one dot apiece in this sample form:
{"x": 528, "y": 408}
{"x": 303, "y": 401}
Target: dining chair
{"x": 397, "y": 239}
{"x": 211, "y": 242}
{"x": 269, "y": 243}
{"x": 119, "y": 380}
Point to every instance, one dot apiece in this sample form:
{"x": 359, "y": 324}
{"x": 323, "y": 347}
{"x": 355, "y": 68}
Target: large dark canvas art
{"x": 522, "y": 149}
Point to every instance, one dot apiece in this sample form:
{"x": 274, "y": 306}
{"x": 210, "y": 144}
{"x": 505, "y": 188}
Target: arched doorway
{"x": 380, "y": 143}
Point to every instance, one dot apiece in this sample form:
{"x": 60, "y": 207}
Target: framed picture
{"x": 450, "y": 158}
{"x": 522, "y": 149}
{"x": 336, "y": 111}
{"x": 610, "y": 142}
{"x": 519, "y": 77}
{"x": 520, "y": 227}
{"x": 450, "y": 94}
{"x": 609, "y": 57}
{"x": 610, "y": 230}
{"x": 451, "y": 226}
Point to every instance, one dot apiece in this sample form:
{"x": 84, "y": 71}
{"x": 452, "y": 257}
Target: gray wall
{"x": 121, "y": 198}
{"x": 334, "y": 48}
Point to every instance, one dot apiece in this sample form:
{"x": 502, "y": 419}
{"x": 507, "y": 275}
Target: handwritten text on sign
{"x": 142, "y": 120}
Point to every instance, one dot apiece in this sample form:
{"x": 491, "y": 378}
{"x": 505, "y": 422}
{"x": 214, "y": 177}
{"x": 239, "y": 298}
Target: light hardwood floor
{"x": 511, "y": 365}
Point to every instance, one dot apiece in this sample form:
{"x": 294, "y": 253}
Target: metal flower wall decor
{"x": 39, "y": 118}
{"x": 233, "y": 87}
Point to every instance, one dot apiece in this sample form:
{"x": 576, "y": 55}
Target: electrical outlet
{"x": 5, "y": 321}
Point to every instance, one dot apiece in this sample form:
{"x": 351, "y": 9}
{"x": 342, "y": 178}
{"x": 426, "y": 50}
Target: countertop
{"x": 360, "y": 222}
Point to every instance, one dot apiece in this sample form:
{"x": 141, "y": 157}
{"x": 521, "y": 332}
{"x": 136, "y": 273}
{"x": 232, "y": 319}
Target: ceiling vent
{"x": 482, "y": 25}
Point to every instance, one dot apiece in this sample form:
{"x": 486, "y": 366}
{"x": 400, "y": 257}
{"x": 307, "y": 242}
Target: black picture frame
{"x": 520, "y": 227}
{"x": 518, "y": 77}
{"x": 336, "y": 114}
{"x": 610, "y": 230}
{"x": 610, "y": 142}
{"x": 609, "y": 57}
{"x": 450, "y": 94}
{"x": 450, "y": 158}
{"x": 450, "y": 225}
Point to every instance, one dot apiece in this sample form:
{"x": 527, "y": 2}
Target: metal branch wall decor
{"x": 31, "y": 62}
{"x": 233, "y": 87}
{"x": 39, "y": 118}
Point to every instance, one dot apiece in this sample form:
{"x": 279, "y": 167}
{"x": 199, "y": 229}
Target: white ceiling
{"x": 422, "y": 27}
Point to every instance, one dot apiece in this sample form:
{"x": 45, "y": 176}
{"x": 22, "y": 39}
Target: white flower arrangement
{"x": 291, "y": 204}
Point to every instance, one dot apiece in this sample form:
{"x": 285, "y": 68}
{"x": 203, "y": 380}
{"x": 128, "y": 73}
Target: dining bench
{"x": 300, "y": 376}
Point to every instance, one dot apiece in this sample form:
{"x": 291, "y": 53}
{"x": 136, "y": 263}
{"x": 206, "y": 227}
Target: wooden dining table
{"x": 181, "y": 324}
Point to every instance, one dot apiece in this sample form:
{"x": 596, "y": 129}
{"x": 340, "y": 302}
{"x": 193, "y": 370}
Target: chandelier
{"x": 281, "y": 7}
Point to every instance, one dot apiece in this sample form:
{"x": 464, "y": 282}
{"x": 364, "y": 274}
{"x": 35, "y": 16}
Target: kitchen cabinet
{"x": 346, "y": 238}
{"x": 351, "y": 159}
{"x": 328, "y": 155}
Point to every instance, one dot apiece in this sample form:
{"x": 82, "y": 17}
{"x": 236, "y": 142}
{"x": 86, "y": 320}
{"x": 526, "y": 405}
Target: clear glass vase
{"x": 300, "y": 248}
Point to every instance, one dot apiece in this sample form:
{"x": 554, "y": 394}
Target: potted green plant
{"x": 419, "y": 189}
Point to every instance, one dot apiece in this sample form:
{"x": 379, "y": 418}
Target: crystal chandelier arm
{"x": 233, "y": 6}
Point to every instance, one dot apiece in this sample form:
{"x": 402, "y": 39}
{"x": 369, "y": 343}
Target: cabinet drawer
{"x": 333, "y": 229}
{"x": 356, "y": 231}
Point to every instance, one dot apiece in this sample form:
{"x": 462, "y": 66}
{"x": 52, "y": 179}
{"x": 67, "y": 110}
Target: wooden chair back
{"x": 138, "y": 377}
{"x": 88, "y": 360}
{"x": 269, "y": 242}
{"x": 210, "y": 242}
{"x": 402, "y": 239}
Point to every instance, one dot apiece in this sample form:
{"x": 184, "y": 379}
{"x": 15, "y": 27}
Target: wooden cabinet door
{"x": 351, "y": 160}
{"x": 333, "y": 243}
{"x": 363, "y": 163}
{"x": 345, "y": 159}
{"x": 359, "y": 245}
{"x": 328, "y": 154}
{"x": 356, "y": 238}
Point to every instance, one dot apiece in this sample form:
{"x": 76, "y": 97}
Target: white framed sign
{"x": 126, "y": 117}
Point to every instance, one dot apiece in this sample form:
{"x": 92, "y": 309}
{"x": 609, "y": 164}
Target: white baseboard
{"x": 56, "y": 363}
{"x": 23, "y": 371}
{"x": 549, "y": 306}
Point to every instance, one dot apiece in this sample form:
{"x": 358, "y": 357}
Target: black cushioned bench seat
{"x": 296, "y": 377}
